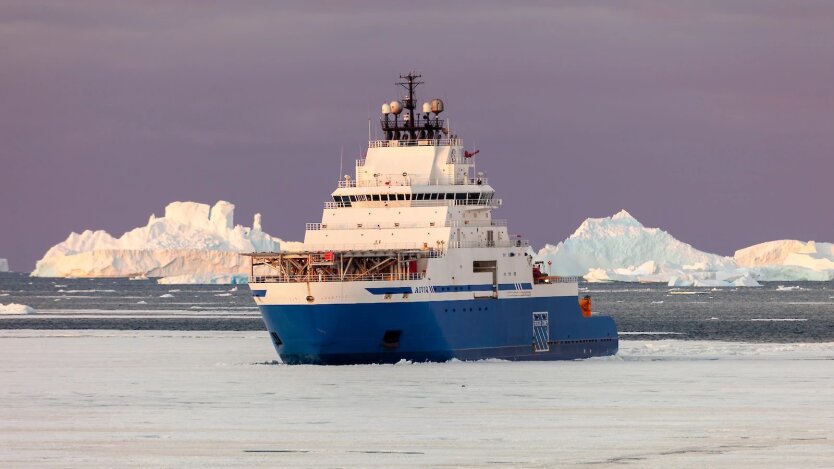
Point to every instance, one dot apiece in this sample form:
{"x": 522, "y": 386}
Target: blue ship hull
{"x": 341, "y": 334}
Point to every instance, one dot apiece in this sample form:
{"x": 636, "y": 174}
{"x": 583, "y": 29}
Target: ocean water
{"x": 775, "y": 312}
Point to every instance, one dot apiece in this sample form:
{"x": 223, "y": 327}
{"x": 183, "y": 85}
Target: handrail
{"x": 555, "y": 279}
{"x": 415, "y": 143}
{"x": 336, "y": 278}
{"x": 398, "y": 180}
{"x": 505, "y": 243}
{"x": 429, "y": 251}
{"x": 394, "y": 225}
{"x": 416, "y": 203}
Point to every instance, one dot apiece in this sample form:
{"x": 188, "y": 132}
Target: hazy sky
{"x": 711, "y": 120}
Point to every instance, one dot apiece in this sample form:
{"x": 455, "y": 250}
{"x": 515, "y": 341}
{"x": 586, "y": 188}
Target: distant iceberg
{"x": 789, "y": 260}
{"x": 4, "y": 265}
{"x": 620, "y": 249}
{"x": 191, "y": 239}
{"x": 198, "y": 243}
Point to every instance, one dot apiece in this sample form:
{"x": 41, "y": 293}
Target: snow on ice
{"x": 191, "y": 239}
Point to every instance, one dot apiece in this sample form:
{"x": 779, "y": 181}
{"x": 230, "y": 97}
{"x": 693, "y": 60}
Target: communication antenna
{"x": 341, "y": 155}
{"x": 411, "y": 82}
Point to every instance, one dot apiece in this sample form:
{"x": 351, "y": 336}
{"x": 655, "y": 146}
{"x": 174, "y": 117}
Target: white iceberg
{"x": 191, "y": 239}
{"x": 789, "y": 260}
{"x": 620, "y": 249}
{"x": 622, "y": 242}
{"x": 14, "y": 308}
{"x": 4, "y": 265}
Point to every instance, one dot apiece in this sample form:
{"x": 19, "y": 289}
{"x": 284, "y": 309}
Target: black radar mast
{"x": 409, "y": 101}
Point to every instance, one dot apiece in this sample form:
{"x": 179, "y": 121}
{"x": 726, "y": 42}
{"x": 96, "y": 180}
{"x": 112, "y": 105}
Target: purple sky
{"x": 711, "y": 120}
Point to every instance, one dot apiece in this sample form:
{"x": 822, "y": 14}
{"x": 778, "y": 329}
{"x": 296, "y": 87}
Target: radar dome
{"x": 396, "y": 107}
{"x": 437, "y": 106}
{"x": 386, "y": 109}
{"x": 426, "y": 108}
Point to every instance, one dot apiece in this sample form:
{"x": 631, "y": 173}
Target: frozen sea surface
{"x": 176, "y": 398}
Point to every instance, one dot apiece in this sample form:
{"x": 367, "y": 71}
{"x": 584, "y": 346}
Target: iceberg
{"x": 191, "y": 239}
{"x": 789, "y": 260}
{"x": 4, "y": 265}
{"x": 620, "y": 249}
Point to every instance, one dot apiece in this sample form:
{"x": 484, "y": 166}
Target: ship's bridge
{"x": 413, "y": 196}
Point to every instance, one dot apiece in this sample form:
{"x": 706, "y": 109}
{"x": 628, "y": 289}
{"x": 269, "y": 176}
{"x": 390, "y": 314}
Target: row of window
{"x": 417, "y": 196}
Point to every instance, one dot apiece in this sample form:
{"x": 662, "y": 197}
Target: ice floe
{"x": 14, "y": 308}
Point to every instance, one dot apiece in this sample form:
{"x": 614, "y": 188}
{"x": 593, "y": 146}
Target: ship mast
{"x": 408, "y": 103}
{"x": 414, "y": 126}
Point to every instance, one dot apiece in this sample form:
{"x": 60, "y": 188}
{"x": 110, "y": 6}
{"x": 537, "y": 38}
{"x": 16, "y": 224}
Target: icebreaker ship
{"x": 408, "y": 263}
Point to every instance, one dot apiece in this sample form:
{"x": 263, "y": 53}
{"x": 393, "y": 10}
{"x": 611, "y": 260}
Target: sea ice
{"x": 172, "y": 399}
{"x": 14, "y": 308}
{"x": 209, "y": 279}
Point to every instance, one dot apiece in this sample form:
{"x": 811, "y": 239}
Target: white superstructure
{"x": 415, "y": 213}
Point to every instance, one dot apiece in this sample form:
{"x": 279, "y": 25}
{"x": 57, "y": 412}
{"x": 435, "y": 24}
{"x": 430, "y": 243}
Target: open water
{"x": 775, "y": 312}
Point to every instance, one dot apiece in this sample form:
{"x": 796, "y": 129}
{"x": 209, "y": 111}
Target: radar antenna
{"x": 414, "y": 126}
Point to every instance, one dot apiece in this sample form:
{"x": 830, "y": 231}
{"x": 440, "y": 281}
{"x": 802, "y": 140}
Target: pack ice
{"x": 191, "y": 239}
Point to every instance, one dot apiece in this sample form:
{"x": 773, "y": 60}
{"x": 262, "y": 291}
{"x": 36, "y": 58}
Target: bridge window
{"x": 375, "y": 197}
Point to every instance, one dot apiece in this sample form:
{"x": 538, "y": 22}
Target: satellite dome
{"x": 426, "y": 108}
{"x": 386, "y": 109}
{"x": 396, "y": 107}
{"x": 437, "y": 106}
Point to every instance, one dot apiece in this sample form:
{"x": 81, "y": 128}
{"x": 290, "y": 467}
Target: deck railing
{"x": 415, "y": 203}
{"x": 398, "y": 180}
{"x": 501, "y": 243}
{"x": 415, "y": 143}
{"x": 337, "y": 278}
{"x": 394, "y": 225}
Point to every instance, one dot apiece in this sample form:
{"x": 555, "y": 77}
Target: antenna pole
{"x": 408, "y": 103}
